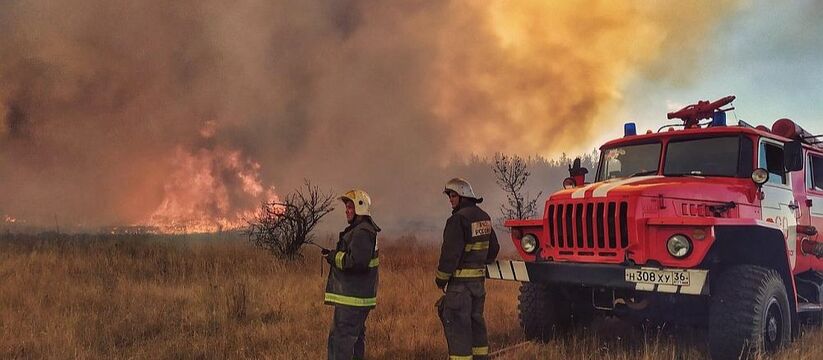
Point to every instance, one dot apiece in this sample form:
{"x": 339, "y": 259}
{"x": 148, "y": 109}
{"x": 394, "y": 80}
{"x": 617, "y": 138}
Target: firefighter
{"x": 469, "y": 243}
{"x": 352, "y": 282}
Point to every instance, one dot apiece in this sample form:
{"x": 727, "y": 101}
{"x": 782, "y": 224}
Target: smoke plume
{"x": 121, "y": 112}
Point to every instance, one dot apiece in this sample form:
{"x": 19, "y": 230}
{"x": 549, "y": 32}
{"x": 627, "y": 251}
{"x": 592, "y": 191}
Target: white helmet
{"x": 462, "y": 188}
{"x": 361, "y": 200}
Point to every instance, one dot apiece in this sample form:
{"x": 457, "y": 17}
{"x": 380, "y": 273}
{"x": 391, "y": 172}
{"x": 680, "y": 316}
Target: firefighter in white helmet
{"x": 352, "y": 283}
{"x": 469, "y": 243}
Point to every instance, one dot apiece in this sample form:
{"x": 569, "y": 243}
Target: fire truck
{"x": 700, "y": 222}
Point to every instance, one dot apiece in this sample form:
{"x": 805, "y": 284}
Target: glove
{"x": 441, "y": 284}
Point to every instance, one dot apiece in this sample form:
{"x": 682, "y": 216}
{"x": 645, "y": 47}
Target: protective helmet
{"x": 361, "y": 200}
{"x": 462, "y": 188}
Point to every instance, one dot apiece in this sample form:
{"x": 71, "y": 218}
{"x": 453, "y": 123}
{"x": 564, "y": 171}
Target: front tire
{"x": 749, "y": 313}
{"x": 544, "y": 312}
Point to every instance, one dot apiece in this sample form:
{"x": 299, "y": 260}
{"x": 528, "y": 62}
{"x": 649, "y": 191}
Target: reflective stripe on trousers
{"x": 480, "y": 351}
{"x": 350, "y": 300}
{"x": 476, "y": 351}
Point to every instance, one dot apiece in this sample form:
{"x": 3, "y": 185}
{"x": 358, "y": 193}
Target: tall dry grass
{"x": 154, "y": 298}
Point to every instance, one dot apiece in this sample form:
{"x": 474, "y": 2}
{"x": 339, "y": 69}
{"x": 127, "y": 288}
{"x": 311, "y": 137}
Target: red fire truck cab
{"x": 699, "y": 223}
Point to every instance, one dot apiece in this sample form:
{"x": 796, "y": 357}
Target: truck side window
{"x": 816, "y": 173}
{"x": 771, "y": 159}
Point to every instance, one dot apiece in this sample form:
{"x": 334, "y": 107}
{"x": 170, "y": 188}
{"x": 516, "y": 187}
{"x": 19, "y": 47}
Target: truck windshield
{"x": 719, "y": 156}
{"x": 629, "y": 160}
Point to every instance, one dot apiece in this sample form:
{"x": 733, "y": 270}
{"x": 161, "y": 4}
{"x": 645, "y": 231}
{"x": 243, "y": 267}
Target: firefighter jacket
{"x": 353, "y": 276}
{"x": 469, "y": 243}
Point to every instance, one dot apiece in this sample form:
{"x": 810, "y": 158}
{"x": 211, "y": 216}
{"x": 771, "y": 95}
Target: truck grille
{"x": 589, "y": 229}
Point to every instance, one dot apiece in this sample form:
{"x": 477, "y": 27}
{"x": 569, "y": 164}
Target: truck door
{"x": 779, "y": 205}
{"x": 814, "y": 199}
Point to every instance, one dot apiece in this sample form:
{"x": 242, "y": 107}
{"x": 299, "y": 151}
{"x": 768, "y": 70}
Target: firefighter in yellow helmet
{"x": 352, "y": 283}
{"x": 469, "y": 243}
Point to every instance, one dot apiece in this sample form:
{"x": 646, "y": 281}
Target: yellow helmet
{"x": 462, "y": 188}
{"x": 361, "y": 200}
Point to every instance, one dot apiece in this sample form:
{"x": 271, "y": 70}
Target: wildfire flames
{"x": 210, "y": 190}
{"x": 200, "y": 195}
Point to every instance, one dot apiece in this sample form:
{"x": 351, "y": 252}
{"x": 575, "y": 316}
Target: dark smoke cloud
{"x": 97, "y": 98}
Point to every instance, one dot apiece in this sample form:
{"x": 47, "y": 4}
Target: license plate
{"x": 660, "y": 277}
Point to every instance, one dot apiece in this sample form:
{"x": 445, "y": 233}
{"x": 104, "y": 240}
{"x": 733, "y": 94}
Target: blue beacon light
{"x": 718, "y": 119}
{"x": 629, "y": 129}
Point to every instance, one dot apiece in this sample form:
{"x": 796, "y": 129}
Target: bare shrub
{"x": 283, "y": 227}
{"x": 511, "y": 174}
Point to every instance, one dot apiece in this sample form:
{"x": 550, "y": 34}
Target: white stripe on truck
{"x": 581, "y": 192}
{"x": 493, "y": 270}
{"x": 603, "y": 190}
{"x": 520, "y": 272}
{"x": 507, "y": 270}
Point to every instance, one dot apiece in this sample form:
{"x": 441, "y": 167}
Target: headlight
{"x": 679, "y": 246}
{"x": 760, "y": 176}
{"x": 529, "y": 243}
{"x": 569, "y": 183}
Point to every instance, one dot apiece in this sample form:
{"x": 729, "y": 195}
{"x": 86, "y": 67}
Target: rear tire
{"x": 544, "y": 312}
{"x": 749, "y": 313}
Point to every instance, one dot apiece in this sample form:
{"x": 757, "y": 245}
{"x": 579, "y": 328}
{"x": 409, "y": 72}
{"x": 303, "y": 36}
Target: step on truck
{"x": 699, "y": 223}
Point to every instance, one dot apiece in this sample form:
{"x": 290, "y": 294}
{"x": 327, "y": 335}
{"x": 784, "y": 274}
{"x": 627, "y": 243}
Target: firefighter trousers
{"x": 347, "y": 338}
{"x": 461, "y": 313}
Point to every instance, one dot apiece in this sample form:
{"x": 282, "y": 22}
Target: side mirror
{"x": 793, "y": 156}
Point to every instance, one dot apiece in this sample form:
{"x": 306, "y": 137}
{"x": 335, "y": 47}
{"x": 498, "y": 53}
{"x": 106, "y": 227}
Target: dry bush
{"x": 283, "y": 227}
{"x": 172, "y": 298}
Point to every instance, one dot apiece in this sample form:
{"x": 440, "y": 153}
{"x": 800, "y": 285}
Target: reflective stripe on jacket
{"x": 469, "y": 243}
{"x": 353, "y": 276}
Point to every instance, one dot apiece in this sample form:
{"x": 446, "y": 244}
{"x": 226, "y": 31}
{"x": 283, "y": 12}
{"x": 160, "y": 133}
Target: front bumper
{"x": 592, "y": 275}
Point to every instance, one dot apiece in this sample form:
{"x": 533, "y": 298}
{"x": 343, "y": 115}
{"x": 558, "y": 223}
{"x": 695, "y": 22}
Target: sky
{"x": 770, "y": 57}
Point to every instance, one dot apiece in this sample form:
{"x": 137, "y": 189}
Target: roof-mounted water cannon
{"x": 692, "y": 114}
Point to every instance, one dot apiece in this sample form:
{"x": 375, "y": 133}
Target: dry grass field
{"x": 215, "y": 298}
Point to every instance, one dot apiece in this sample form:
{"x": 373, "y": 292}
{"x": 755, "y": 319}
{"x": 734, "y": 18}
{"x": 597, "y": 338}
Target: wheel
{"x": 749, "y": 313}
{"x": 544, "y": 313}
